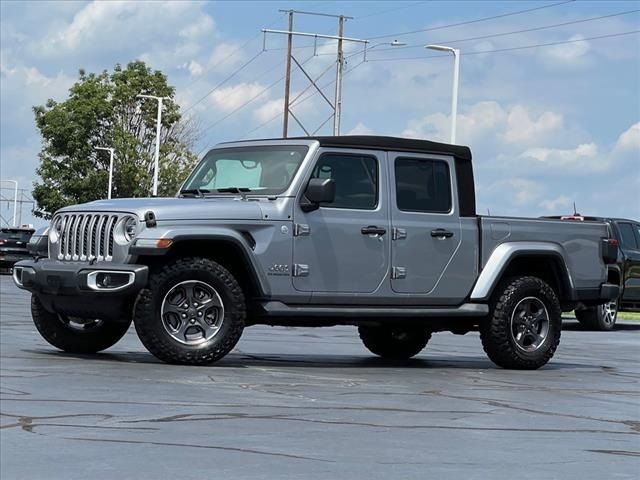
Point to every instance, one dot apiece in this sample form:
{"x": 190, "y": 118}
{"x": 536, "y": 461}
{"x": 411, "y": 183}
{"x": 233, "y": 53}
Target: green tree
{"x": 103, "y": 110}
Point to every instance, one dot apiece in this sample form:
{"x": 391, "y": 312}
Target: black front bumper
{"x": 64, "y": 287}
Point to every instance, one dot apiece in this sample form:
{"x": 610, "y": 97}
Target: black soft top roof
{"x": 377, "y": 142}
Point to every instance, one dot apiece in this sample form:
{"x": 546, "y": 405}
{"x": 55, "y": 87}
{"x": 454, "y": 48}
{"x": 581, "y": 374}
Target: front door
{"x": 426, "y": 225}
{"x": 343, "y": 246}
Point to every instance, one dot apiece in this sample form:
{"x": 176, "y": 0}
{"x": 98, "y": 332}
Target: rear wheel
{"x": 398, "y": 343}
{"x": 600, "y": 317}
{"x": 192, "y": 312}
{"x": 74, "y": 334}
{"x": 524, "y": 325}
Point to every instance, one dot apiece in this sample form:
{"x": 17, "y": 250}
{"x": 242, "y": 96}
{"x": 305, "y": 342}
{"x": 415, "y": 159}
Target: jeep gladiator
{"x": 376, "y": 232}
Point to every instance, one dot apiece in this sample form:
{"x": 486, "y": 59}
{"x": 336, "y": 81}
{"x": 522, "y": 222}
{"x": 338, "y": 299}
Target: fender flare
{"x": 185, "y": 234}
{"x": 503, "y": 254}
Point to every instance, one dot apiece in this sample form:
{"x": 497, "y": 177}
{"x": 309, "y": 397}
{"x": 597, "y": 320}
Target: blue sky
{"x": 548, "y": 126}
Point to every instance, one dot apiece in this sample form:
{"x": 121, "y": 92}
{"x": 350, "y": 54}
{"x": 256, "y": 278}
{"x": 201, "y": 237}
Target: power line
{"x": 514, "y": 32}
{"x": 256, "y": 96}
{"x": 509, "y": 49}
{"x": 468, "y": 22}
{"x": 502, "y": 34}
{"x": 232, "y": 54}
{"x": 389, "y": 10}
{"x": 294, "y": 103}
{"x": 242, "y": 67}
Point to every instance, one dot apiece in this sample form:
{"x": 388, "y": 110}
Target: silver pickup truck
{"x": 376, "y": 232}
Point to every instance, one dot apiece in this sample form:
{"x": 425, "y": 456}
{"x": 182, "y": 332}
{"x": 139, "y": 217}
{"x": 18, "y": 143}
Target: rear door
{"x": 630, "y": 238}
{"x": 344, "y": 246}
{"x": 426, "y": 225}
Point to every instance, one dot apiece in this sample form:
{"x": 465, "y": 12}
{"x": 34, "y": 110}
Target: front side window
{"x": 422, "y": 185}
{"x": 264, "y": 170}
{"x": 355, "y": 176}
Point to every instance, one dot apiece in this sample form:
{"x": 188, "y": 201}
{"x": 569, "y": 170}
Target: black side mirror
{"x": 319, "y": 190}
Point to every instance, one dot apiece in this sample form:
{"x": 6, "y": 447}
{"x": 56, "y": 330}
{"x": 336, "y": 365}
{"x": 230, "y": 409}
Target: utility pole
{"x": 156, "y": 166}
{"x": 287, "y": 80}
{"x": 15, "y": 201}
{"x": 339, "y": 72}
{"x": 111, "y": 152}
{"x": 454, "y": 84}
{"x": 336, "y": 105}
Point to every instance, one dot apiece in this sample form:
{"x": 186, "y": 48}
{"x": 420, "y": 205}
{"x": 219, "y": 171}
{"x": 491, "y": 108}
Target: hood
{"x": 171, "y": 208}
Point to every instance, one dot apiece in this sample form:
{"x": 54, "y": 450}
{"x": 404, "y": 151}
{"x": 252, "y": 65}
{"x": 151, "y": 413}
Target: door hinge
{"x": 300, "y": 270}
{"x": 301, "y": 230}
{"x": 399, "y": 234}
{"x": 398, "y": 272}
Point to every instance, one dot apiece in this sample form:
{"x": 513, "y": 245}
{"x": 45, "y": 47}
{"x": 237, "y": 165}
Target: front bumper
{"x": 76, "y": 288}
{"x": 74, "y": 278}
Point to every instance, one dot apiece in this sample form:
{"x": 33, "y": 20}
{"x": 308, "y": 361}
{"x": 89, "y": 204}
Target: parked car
{"x": 13, "y": 245}
{"x": 376, "y": 232}
{"x": 626, "y": 271}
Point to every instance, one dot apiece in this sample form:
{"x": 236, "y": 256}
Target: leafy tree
{"x": 103, "y": 110}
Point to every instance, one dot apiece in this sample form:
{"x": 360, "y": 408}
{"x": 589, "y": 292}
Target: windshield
{"x": 266, "y": 170}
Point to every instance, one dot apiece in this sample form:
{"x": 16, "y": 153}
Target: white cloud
{"x": 558, "y": 204}
{"x": 360, "y": 129}
{"x": 204, "y": 25}
{"x": 230, "y": 98}
{"x": 585, "y": 157}
{"x": 195, "y": 69}
{"x": 629, "y": 140}
{"x": 569, "y": 52}
{"x": 522, "y": 129}
{"x": 269, "y": 110}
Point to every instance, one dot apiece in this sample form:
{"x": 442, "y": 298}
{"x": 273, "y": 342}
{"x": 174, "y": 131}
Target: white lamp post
{"x": 395, "y": 43}
{"x": 157, "y": 156}
{"x": 456, "y": 74}
{"x": 111, "y": 151}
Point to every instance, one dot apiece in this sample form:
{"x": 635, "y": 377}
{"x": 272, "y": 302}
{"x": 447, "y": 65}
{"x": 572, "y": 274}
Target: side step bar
{"x": 279, "y": 309}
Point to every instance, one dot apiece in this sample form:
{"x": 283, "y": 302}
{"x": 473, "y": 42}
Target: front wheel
{"x": 600, "y": 317}
{"x": 397, "y": 343}
{"x": 524, "y": 325}
{"x": 73, "y": 334}
{"x": 191, "y": 313}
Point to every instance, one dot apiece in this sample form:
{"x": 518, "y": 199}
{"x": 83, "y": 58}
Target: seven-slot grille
{"x": 85, "y": 236}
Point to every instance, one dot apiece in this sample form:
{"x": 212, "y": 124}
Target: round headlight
{"x": 130, "y": 227}
{"x": 56, "y": 229}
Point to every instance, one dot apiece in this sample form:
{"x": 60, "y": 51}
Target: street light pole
{"x": 156, "y": 166}
{"x": 111, "y": 152}
{"x": 456, "y": 75}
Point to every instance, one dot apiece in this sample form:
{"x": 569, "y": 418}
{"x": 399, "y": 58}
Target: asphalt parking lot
{"x": 313, "y": 404}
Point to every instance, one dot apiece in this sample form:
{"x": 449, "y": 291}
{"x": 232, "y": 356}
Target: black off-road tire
{"x": 395, "y": 343}
{"x": 597, "y": 318}
{"x": 56, "y": 330}
{"x": 496, "y": 332}
{"x": 153, "y": 334}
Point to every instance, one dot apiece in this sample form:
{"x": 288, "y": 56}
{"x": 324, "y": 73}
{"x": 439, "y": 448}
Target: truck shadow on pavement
{"x": 239, "y": 359}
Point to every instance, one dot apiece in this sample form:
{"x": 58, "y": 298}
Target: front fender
{"x": 180, "y": 235}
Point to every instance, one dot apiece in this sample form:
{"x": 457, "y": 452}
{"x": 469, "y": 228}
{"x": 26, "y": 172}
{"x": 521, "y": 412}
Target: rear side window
{"x": 423, "y": 185}
{"x": 355, "y": 176}
{"x": 626, "y": 233}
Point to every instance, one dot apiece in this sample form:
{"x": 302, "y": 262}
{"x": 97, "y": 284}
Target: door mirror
{"x": 319, "y": 190}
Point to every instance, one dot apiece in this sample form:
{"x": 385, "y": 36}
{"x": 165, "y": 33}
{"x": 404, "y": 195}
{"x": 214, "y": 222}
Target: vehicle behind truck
{"x": 376, "y": 232}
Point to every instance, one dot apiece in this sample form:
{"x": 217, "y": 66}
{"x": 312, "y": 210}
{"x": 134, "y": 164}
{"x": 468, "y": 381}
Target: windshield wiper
{"x": 233, "y": 190}
{"x": 198, "y": 192}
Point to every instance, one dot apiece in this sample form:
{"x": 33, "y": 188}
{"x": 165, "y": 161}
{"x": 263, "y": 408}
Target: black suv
{"x": 13, "y": 245}
{"x": 627, "y": 233}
